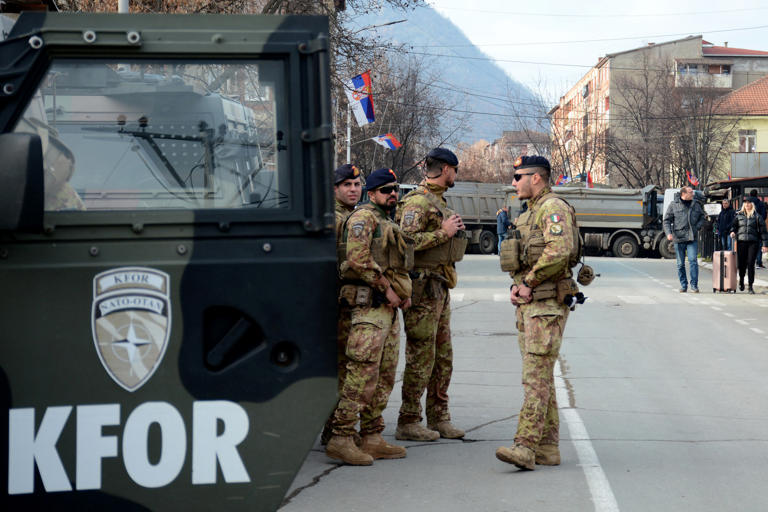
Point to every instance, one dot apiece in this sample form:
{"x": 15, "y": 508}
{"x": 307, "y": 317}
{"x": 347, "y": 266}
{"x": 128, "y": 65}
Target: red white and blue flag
{"x": 692, "y": 179}
{"x": 360, "y": 96}
{"x": 388, "y": 141}
{"x": 563, "y": 179}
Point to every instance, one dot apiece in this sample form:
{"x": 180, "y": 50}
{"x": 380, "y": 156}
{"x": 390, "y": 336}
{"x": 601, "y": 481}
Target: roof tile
{"x": 750, "y": 100}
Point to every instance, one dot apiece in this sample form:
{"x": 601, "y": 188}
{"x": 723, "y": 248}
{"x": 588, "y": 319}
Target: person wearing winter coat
{"x": 724, "y": 222}
{"x": 749, "y": 231}
{"x": 682, "y": 222}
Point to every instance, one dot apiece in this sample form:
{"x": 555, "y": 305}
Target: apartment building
{"x": 587, "y": 113}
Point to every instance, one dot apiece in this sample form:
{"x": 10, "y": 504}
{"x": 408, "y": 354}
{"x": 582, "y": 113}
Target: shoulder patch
{"x": 556, "y": 229}
{"x": 408, "y": 218}
{"x": 357, "y": 228}
{"x": 555, "y": 218}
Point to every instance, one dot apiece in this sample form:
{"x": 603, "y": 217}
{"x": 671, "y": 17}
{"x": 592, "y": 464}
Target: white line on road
{"x": 729, "y": 315}
{"x": 457, "y": 297}
{"x": 599, "y": 487}
{"x": 500, "y": 297}
{"x": 758, "y": 331}
{"x": 716, "y": 308}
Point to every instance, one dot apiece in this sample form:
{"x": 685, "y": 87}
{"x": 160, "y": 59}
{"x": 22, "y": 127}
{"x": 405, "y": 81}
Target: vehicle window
{"x": 162, "y": 134}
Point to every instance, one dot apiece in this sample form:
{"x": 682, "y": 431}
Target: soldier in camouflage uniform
{"x": 438, "y": 243}
{"x": 347, "y": 189}
{"x": 375, "y": 282}
{"x": 549, "y": 248}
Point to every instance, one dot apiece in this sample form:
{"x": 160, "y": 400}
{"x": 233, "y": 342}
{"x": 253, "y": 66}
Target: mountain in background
{"x": 474, "y": 84}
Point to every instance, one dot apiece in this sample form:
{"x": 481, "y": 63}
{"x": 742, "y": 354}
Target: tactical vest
{"x": 447, "y": 252}
{"x": 389, "y": 249}
{"x": 520, "y": 255}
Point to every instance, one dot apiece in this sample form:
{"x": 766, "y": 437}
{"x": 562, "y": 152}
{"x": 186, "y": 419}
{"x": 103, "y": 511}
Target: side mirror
{"x": 21, "y": 182}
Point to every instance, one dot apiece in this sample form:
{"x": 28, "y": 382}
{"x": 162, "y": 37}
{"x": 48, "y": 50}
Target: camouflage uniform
{"x": 374, "y": 339}
{"x": 342, "y": 213}
{"x": 550, "y": 244}
{"x": 428, "y": 352}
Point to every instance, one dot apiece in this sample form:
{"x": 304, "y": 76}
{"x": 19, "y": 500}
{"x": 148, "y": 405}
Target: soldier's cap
{"x": 380, "y": 177}
{"x": 444, "y": 155}
{"x": 345, "y": 172}
{"x": 524, "y": 162}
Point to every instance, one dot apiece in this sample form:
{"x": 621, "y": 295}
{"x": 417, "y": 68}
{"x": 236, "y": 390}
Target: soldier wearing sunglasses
{"x": 542, "y": 283}
{"x": 375, "y": 260}
{"x": 439, "y": 243}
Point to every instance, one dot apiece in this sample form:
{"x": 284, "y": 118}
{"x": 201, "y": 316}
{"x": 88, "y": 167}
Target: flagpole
{"x": 349, "y": 134}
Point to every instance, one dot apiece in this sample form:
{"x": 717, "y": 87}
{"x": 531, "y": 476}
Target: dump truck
{"x": 167, "y": 259}
{"x": 620, "y": 220}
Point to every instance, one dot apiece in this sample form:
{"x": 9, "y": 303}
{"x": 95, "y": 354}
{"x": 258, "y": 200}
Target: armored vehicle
{"x": 167, "y": 259}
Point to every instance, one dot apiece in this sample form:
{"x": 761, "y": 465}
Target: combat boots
{"x": 343, "y": 448}
{"x": 517, "y": 454}
{"x": 447, "y": 430}
{"x": 415, "y": 432}
{"x": 375, "y": 446}
{"x": 548, "y": 455}
{"x": 328, "y": 434}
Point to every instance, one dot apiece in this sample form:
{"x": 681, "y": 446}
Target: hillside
{"x": 469, "y": 84}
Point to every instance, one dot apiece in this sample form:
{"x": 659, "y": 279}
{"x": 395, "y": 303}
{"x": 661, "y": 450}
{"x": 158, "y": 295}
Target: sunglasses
{"x": 517, "y": 177}
{"x": 388, "y": 190}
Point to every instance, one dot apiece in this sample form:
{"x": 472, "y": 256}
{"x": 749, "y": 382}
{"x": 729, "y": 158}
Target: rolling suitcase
{"x": 724, "y": 271}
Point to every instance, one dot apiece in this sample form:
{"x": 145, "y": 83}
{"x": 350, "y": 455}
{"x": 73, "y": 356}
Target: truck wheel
{"x": 667, "y": 249}
{"x": 487, "y": 243}
{"x": 625, "y": 247}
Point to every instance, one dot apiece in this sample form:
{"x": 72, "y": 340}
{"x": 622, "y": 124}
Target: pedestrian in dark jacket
{"x": 724, "y": 223}
{"x": 760, "y": 209}
{"x": 749, "y": 230}
{"x": 682, "y": 222}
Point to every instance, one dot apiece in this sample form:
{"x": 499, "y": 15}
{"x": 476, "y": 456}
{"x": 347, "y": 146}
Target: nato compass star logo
{"x": 131, "y": 323}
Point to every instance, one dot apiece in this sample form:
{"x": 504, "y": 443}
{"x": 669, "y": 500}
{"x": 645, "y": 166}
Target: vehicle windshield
{"x": 170, "y": 134}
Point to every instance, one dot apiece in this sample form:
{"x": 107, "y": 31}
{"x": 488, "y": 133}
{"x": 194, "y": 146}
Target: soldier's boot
{"x": 548, "y": 455}
{"x": 519, "y": 455}
{"x": 328, "y": 434}
{"x": 415, "y": 432}
{"x": 343, "y": 448}
{"x": 447, "y": 430}
{"x": 375, "y": 446}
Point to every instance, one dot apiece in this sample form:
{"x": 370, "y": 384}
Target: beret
{"x": 345, "y": 172}
{"x": 380, "y": 177}
{"x": 523, "y": 162}
{"x": 444, "y": 155}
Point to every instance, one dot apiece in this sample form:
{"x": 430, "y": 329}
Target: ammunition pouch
{"x": 448, "y": 252}
{"x": 401, "y": 283}
{"x": 357, "y": 295}
{"x": 509, "y": 256}
{"x": 546, "y": 290}
{"x": 566, "y": 287}
{"x": 418, "y": 285}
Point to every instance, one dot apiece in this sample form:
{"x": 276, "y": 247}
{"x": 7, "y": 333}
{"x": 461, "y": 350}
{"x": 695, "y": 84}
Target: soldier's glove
{"x": 572, "y": 300}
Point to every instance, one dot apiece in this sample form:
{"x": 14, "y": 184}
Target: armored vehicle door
{"x": 167, "y": 259}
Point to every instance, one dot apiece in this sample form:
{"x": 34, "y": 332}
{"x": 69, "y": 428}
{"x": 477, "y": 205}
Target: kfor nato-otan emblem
{"x": 131, "y": 322}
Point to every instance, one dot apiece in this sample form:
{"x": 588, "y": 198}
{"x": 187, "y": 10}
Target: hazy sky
{"x": 563, "y": 39}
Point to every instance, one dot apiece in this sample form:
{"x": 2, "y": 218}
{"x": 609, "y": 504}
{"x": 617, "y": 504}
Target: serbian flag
{"x": 692, "y": 179}
{"x": 388, "y": 141}
{"x": 563, "y": 179}
{"x": 360, "y": 96}
{"x": 589, "y": 180}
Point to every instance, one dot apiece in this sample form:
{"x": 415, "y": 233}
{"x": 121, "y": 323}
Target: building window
{"x": 747, "y": 141}
{"x": 686, "y": 69}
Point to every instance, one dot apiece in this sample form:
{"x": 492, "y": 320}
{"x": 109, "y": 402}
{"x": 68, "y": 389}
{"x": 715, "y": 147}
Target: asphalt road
{"x": 662, "y": 397}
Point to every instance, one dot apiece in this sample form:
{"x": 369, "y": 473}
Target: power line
{"x": 544, "y": 43}
{"x": 601, "y": 15}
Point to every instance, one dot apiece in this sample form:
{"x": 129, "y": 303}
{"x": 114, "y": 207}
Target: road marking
{"x": 758, "y": 331}
{"x": 500, "y": 297}
{"x": 636, "y": 299}
{"x": 742, "y": 322}
{"x": 599, "y": 487}
{"x": 457, "y": 297}
{"x": 729, "y": 314}
{"x": 716, "y": 308}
